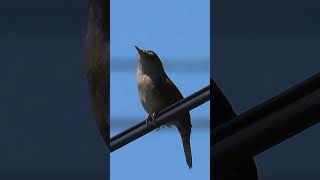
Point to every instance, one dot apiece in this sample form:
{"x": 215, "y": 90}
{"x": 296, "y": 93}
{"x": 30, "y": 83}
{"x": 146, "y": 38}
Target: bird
{"x": 222, "y": 112}
{"x": 157, "y": 91}
{"x": 97, "y": 60}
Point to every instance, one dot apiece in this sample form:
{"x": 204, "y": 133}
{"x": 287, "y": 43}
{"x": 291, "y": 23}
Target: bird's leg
{"x": 148, "y": 119}
{"x": 154, "y": 115}
{"x": 151, "y": 117}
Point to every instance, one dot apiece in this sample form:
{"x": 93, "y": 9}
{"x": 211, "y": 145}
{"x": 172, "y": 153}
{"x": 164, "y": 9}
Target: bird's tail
{"x": 185, "y": 136}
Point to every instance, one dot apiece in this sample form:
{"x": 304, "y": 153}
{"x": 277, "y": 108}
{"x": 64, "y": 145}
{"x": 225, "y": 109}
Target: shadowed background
{"x": 261, "y": 48}
{"x": 47, "y": 128}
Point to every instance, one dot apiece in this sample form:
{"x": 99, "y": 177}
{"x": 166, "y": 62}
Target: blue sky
{"x": 179, "y": 32}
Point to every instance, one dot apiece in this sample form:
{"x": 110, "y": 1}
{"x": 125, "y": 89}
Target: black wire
{"x": 119, "y": 123}
{"x": 274, "y": 104}
{"x": 186, "y": 104}
{"x": 161, "y": 112}
{"x": 269, "y": 130}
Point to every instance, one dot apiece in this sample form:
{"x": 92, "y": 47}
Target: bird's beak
{"x": 139, "y": 50}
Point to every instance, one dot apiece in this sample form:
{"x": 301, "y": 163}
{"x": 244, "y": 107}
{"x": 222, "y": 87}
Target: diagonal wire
{"x": 139, "y": 130}
{"x": 199, "y": 123}
{"x": 269, "y": 123}
{"x": 268, "y": 131}
{"x": 275, "y": 103}
{"x": 161, "y": 112}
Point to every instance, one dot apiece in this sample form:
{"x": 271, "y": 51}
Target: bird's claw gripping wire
{"x": 151, "y": 118}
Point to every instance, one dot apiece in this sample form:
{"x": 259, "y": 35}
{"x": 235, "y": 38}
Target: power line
{"x": 287, "y": 114}
{"x": 274, "y": 104}
{"x": 186, "y": 104}
{"x": 122, "y": 122}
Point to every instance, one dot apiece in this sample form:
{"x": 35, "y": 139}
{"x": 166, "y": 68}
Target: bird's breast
{"x": 149, "y": 96}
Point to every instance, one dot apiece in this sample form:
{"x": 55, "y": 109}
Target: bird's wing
{"x": 182, "y": 120}
{"x": 165, "y": 88}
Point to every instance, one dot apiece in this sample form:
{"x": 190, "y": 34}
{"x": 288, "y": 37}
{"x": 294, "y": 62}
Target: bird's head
{"x": 149, "y": 59}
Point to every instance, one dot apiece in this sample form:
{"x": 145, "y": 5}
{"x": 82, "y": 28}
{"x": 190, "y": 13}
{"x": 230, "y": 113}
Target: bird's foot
{"x": 151, "y": 118}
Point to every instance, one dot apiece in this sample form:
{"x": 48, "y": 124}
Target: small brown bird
{"x": 157, "y": 92}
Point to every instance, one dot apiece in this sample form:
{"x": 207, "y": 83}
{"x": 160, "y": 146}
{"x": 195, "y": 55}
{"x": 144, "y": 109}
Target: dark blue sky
{"x": 47, "y": 130}
{"x": 260, "y": 48}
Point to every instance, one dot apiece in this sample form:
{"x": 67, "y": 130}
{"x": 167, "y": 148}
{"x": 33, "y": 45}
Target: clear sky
{"x": 179, "y": 32}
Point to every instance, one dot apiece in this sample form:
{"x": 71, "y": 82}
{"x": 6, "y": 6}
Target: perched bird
{"x": 97, "y": 63}
{"x": 222, "y": 112}
{"x": 157, "y": 91}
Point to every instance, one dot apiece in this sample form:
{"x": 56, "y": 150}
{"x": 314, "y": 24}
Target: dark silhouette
{"x": 97, "y": 63}
{"x": 222, "y": 112}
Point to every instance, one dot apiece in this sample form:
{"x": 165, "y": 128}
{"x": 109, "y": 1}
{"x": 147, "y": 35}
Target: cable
{"x": 274, "y": 104}
{"x": 269, "y": 130}
{"x": 139, "y": 130}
